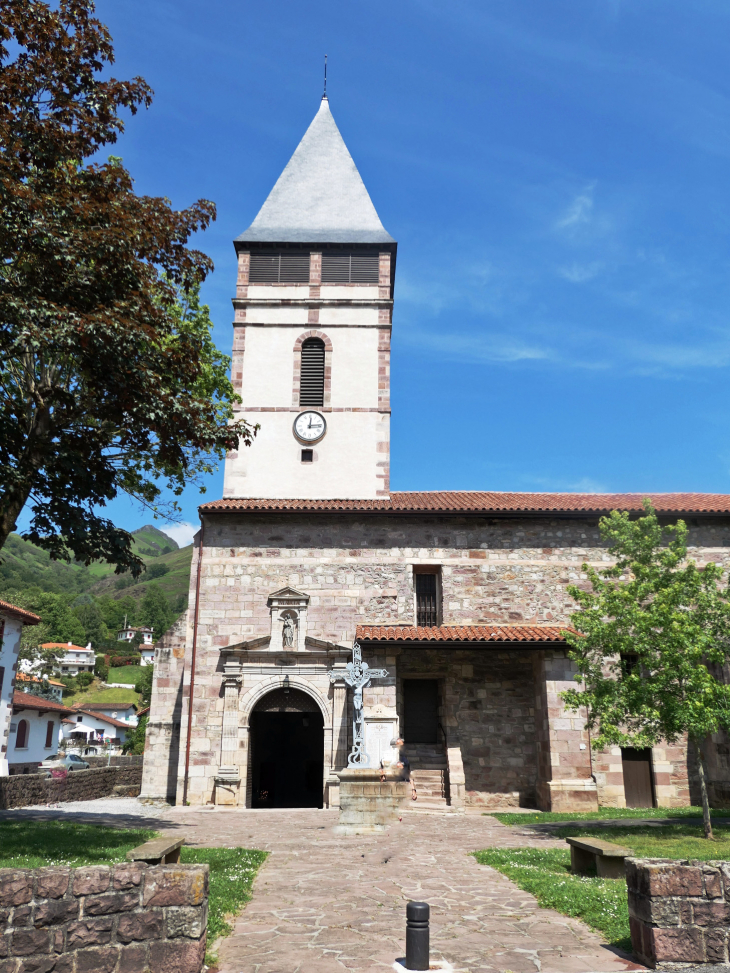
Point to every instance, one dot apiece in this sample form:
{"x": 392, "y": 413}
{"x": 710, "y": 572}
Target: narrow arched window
{"x": 311, "y": 384}
{"x": 21, "y": 740}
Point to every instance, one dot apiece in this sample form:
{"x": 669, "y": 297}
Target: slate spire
{"x": 320, "y": 196}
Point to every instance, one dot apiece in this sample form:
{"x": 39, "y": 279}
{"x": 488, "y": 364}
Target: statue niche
{"x": 288, "y": 629}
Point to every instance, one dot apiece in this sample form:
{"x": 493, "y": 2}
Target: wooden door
{"x": 421, "y": 710}
{"x": 638, "y": 778}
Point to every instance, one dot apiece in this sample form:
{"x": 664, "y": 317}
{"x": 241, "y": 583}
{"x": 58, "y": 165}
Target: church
{"x": 459, "y": 596}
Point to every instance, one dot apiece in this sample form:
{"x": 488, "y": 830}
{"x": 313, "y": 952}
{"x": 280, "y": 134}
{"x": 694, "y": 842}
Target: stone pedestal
{"x": 227, "y": 785}
{"x": 578, "y": 794}
{"x": 367, "y": 804}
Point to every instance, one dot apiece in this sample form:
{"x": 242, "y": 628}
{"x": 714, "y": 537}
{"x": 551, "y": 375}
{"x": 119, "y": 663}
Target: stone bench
{"x": 607, "y": 857}
{"x": 159, "y": 851}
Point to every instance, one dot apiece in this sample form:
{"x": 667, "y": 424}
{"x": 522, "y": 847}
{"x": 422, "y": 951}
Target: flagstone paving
{"x": 323, "y": 902}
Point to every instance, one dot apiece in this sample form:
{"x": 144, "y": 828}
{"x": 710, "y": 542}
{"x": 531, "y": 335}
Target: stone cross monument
{"x": 358, "y": 675}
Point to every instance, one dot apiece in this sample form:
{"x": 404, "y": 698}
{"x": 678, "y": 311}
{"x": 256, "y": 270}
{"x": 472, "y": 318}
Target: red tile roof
{"x": 24, "y": 677}
{"x": 489, "y": 503}
{"x": 28, "y": 701}
{"x": 460, "y": 633}
{"x": 65, "y": 645}
{"x": 104, "y": 719}
{"x": 28, "y": 618}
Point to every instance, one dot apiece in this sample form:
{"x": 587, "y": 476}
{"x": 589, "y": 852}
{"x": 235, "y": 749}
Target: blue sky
{"x": 556, "y": 175}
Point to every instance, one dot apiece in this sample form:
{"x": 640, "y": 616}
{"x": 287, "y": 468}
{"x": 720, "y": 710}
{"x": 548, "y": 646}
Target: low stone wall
{"x": 128, "y": 918}
{"x": 24, "y": 790}
{"x": 679, "y": 912}
{"x": 116, "y": 760}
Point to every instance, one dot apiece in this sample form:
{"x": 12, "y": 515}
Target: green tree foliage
{"x": 144, "y": 686}
{"x": 155, "y": 611}
{"x": 653, "y": 636}
{"x": 109, "y": 379}
{"x": 136, "y": 737}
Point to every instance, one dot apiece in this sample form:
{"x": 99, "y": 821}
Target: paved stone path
{"x": 324, "y": 903}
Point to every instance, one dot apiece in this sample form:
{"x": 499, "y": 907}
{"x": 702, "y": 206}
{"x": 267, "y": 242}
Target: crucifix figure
{"x": 358, "y": 675}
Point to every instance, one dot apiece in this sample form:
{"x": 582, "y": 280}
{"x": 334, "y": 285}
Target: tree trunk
{"x": 11, "y": 506}
{"x": 706, "y": 821}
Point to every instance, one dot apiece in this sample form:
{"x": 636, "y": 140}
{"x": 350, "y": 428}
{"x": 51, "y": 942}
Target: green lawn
{"x": 128, "y": 674}
{"x": 609, "y": 813}
{"x": 94, "y": 694}
{"x": 601, "y": 903}
{"x": 31, "y": 844}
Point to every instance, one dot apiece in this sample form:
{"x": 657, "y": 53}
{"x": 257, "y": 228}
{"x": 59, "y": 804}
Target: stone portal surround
{"x": 128, "y": 918}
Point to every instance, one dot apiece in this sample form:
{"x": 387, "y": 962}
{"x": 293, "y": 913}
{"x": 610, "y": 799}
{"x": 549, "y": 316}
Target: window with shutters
{"x": 285, "y": 267}
{"x": 311, "y": 380}
{"x": 21, "y": 740}
{"x": 49, "y": 734}
{"x": 350, "y": 267}
{"x": 428, "y": 597}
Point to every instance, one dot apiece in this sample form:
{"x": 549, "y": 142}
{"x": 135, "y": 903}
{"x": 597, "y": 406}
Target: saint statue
{"x": 288, "y": 632}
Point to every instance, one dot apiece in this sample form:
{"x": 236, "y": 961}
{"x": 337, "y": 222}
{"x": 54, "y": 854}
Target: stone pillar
{"x": 457, "y": 779}
{"x": 564, "y": 772}
{"x": 338, "y": 752}
{"x": 164, "y": 726}
{"x": 228, "y": 775}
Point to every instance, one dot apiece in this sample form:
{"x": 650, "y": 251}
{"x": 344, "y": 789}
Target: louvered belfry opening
{"x": 284, "y": 267}
{"x": 350, "y": 266}
{"x": 311, "y": 382}
{"x": 427, "y": 613}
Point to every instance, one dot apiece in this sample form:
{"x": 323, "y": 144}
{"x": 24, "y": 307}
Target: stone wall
{"x": 130, "y": 918}
{"x": 358, "y": 569}
{"x": 487, "y": 709}
{"x": 116, "y": 760}
{"x": 679, "y": 912}
{"x": 25, "y": 790}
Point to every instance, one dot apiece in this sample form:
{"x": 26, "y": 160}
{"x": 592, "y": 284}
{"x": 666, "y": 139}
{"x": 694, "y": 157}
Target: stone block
{"x": 711, "y": 913}
{"x": 55, "y": 911}
{"x": 16, "y": 886}
{"x": 188, "y": 922}
{"x": 52, "y": 883}
{"x": 177, "y": 957}
{"x": 94, "y": 878}
{"x": 133, "y": 959}
{"x": 128, "y": 875}
{"x": 139, "y": 927}
{"x": 103, "y": 905}
{"x": 713, "y": 882}
{"x": 89, "y": 932}
{"x": 97, "y": 960}
{"x": 21, "y": 916}
{"x": 685, "y": 945}
{"x": 28, "y": 942}
{"x": 716, "y": 945}
{"x": 175, "y": 885}
{"x": 38, "y": 964}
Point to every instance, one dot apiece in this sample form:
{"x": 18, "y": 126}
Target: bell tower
{"x": 312, "y": 323}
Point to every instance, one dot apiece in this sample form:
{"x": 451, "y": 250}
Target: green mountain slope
{"x": 80, "y": 604}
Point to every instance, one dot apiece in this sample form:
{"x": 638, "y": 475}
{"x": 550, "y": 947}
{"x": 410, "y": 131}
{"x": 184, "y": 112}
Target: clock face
{"x": 310, "y": 427}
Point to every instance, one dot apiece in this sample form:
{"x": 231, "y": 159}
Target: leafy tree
{"x": 109, "y": 379}
{"x": 144, "y": 686}
{"x": 155, "y": 610}
{"x": 136, "y": 737}
{"x": 653, "y": 636}
{"x": 90, "y": 616}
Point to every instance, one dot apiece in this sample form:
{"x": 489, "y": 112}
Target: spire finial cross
{"x": 325, "y": 77}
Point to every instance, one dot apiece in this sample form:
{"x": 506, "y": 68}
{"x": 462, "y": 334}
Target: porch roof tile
{"x": 461, "y": 633}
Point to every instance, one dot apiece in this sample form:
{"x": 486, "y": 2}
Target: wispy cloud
{"x": 579, "y": 212}
{"x": 579, "y": 273}
{"x": 181, "y": 533}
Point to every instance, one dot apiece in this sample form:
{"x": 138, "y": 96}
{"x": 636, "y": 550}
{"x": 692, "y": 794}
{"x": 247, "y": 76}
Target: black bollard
{"x": 417, "y": 936}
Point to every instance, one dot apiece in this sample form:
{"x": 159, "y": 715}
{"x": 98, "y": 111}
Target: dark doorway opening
{"x": 638, "y": 777}
{"x": 287, "y": 751}
{"x": 420, "y": 710}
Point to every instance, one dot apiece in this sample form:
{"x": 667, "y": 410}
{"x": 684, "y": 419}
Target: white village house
{"x": 84, "y": 728}
{"x": 146, "y": 649}
{"x": 76, "y": 658}
{"x": 34, "y": 731}
{"x": 12, "y": 620}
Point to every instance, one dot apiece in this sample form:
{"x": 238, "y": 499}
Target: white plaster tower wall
{"x": 319, "y": 207}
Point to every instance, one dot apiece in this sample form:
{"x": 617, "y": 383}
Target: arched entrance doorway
{"x": 287, "y": 750}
